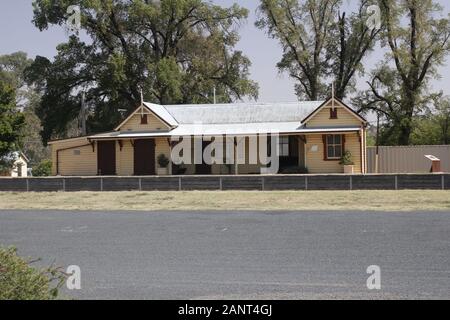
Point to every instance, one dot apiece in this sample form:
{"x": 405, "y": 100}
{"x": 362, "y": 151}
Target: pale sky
{"x": 17, "y": 33}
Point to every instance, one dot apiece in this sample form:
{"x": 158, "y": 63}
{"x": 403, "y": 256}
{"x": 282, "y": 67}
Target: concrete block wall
{"x": 216, "y": 183}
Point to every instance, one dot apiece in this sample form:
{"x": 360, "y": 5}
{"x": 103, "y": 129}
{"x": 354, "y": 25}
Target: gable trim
{"x": 137, "y": 111}
{"x": 323, "y": 105}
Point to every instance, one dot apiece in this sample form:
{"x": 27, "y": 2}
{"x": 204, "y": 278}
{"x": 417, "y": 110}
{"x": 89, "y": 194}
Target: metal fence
{"x": 408, "y": 159}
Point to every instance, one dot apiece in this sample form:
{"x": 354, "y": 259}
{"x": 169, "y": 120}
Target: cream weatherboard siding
{"x": 82, "y": 160}
{"x": 315, "y": 159}
{"x": 76, "y": 158}
{"x": 153, "y": 124}
{"x": 345, "y": 118}
{"x": 125, "y": 159}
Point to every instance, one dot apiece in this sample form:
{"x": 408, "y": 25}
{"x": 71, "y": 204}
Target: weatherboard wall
{"x": 344, "y": 118}
{"x": 315, "y": 154}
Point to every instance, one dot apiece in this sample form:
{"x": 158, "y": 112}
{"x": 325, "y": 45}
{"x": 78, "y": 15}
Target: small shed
{"x": 20, "y": 166}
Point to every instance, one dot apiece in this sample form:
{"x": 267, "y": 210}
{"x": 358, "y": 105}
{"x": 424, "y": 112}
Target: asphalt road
{"x": 240, "y": 255}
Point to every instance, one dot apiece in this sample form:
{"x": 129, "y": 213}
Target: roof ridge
{"x": 255, "y": 104}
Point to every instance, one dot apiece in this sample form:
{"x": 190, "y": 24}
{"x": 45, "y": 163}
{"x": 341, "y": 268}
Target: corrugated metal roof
{"x": 161, "y": 112}
{"x": 242, "y": 112}
{"x": 234, "y": 129}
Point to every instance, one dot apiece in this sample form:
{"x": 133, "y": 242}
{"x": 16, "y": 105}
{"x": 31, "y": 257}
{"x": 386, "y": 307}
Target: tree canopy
{"x": 417, "y": 38}
{"x": 11, "y": 122}
{"x": 12, "y": 68}
{"x": 320, "y": 43}
{"x": 176, "y": 51}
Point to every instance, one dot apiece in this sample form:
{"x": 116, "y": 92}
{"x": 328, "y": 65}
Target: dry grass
{"x": 298, "y": 201}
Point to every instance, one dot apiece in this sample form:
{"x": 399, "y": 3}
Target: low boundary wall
{"x": 226, "y": 183}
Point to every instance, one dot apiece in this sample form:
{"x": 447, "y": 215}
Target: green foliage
{"x": 20, "y": 281}
{"x": 433, "y": 128}
{"x": 12, "y": 69}
{"x": 371, "y": 139}
{"x": 346, "y": 159}
{"x": 163, "y": 161}
{"x": 319, "y": 41}
{"x": 11, "y": 122}
{"x": 417, "y": 37}
{"x": 43, "y": 169}
{"x": 177, "y": 51}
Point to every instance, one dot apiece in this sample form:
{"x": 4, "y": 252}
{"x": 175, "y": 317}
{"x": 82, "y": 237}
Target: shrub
{"x": 43, "y": 169}
{"x": 19, "y": 281}
{"x": 346, "y": 159}
{"x": 163, "y": 161}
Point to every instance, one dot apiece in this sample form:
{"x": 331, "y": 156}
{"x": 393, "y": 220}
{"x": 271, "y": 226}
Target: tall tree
{"x": 12, "y": 69}
{"x": 433, "y": 127}
{"x": 11, "y": 122}
{"x": 417, "y": 38}
{"x": 320, "y": 44}
{"x": 177, "y": 51}
{"x": 352, "y": 38}
{"x": 443, "y": 119}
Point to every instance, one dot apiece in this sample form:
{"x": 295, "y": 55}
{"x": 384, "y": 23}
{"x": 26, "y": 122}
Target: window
{"x": 144, "y": 119}
{"x": 334, "y": 147}
{"x": 76, "y": 152}
{"x": 283, "y": 147}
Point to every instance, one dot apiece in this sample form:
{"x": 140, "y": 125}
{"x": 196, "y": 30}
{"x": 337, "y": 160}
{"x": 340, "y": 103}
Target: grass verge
{"x": 261, "y": 201}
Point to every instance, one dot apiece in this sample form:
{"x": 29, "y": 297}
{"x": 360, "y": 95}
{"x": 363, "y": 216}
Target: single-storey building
{"x": 313, "y": 135}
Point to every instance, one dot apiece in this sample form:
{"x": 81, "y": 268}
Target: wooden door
{"x": 144, "y": 157}
{"x": 106, "y": 158}
{"x": 203, "y": 169}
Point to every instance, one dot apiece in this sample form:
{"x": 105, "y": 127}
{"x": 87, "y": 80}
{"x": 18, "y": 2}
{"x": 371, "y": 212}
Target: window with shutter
{"x": 333, "y": 146}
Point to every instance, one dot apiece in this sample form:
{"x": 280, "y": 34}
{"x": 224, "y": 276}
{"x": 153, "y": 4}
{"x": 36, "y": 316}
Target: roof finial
{"x": 332, "y": 93}
{"x": 332, "y": 90}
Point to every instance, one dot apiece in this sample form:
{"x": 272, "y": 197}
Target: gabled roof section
{"x": 16, "y": 155}
{"x": 242, "y": 113}
{"x": 340, "y": 103}
{"x": 158, "y": 111}
{"x": 162, "y": 113}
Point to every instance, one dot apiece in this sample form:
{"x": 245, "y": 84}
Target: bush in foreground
{"x": 20, "y": 281}
{"x": 43, "y": 169}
